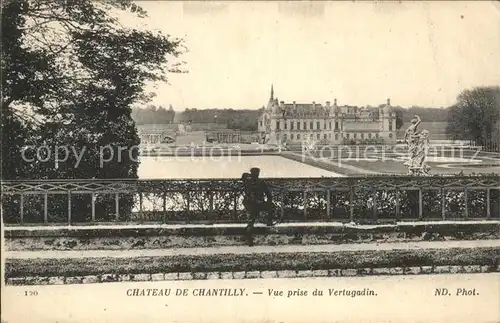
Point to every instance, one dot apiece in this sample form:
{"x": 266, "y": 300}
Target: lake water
{"x": 225, "y": 167}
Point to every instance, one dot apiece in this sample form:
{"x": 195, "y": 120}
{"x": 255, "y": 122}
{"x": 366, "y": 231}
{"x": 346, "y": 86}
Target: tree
{"x": 475, "y": 115}
{"x": 70, "y": 74}
{"x": 426, "y": 113}
{"x": 153, "y": 115}
{"x": 399, "y": 118}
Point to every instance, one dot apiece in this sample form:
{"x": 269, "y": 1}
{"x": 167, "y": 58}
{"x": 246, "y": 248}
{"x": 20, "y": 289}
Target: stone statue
{"x": 418, "y": 148}
{"x": 422, "y": 153}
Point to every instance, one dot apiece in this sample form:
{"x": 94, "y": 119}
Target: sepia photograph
{"x": 250, "y": 161}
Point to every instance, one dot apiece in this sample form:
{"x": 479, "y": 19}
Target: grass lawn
{"x": 397, "y": 167}
{"x": 355, "y": 160}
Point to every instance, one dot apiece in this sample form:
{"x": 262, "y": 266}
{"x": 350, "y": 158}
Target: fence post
{"x": 351, "y": 204}
{"x": 235, "y": 204}
{"x": 488, "y": 203}
{"x": 328, "y": 204}
{"x": 141, "y": 215}
{"x": 22, "y": 209}
{"x": 466, "y": 213}
{"x": 420, "y": 204}
{"x": 45, "y": 209}
{"x": 398, "y": 204}
{"x": 211, "y": 200}
{"x": 93, "y": 206}
{"x": 282, "y": 201}
{"x": 69, "y": 207}
{"x": 443, "y": 204}
{"x": 117, "y": 206}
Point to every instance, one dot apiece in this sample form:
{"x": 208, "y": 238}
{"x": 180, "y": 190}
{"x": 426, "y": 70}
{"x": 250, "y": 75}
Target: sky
{"x": 361, "y": 53}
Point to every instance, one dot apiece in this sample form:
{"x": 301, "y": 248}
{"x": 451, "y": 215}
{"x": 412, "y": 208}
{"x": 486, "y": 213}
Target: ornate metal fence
{"x": 366, "y": 199}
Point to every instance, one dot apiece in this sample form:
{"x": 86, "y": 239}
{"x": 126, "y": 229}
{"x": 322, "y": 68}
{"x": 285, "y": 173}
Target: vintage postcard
{"x": 250, "y": 161}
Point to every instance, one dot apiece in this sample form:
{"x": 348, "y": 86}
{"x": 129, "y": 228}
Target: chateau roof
{"x": 303, "y": 109}
{"x": 302, "y": 106}
{"x": 317, "y": 109}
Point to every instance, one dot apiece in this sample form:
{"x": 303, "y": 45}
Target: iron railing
{"x": 363, "y": 199}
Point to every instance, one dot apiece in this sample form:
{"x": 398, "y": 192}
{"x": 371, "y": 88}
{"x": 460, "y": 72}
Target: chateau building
{"x": 328, "y": 124}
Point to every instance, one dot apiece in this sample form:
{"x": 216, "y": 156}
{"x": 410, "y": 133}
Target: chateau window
{"x": 284, "y": 136}
{"x": 370, "y": 135}
{"x": 317, "y": 136}
{"x": 336, "y": 125}
{"x": 285, "y": 125}
{"x": 291, "y": 125}
{"x": 355, "y": 135}
{"x": 305, "y": 125}
{"x": 311, "y": 125}
{"x": 362, "y": 136}
{"x": 330, "y": 125}
{"x": 277, "y": 125}
{"x": 298, "y": 136}
{"x": 318, "y": 126}
{"x": 376, "y": 135}
{"x": 278, "y": 136}
{"x": 324, "y": 136}
{"x": 311, "y": 136}
{"x": 390, "y": 135}
{"x": 324, "y": 125}
{"x": 298, "y": 126}
{"x": 336, "y": 136}
{"x": 348, "y": 136}
{"x": 261, "y": 123}
{"x": 390, "y": 125}
{"x": 291, "y": 135}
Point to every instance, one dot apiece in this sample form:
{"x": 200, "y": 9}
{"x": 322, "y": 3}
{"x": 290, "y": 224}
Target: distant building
{"x": 224, "y": 136}
{"x": 329, "y": 123}
{"x": 156, "y": 133}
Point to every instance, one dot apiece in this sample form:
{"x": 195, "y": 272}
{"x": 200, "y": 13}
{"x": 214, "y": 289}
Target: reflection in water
{"x": 216, "y": 167}
{"x": 225, "y": 167}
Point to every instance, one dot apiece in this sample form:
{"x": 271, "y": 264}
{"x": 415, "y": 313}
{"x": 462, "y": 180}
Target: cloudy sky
{"x": 416, "y": 53}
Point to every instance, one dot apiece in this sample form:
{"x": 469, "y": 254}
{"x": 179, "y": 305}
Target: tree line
{"x": 247, "y": 119}
{"x": 475, "y": 116}
{"x": 153, "y": 115}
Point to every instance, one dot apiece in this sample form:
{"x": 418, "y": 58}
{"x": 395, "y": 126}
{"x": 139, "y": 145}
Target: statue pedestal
{"x": 424, "y": 170}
